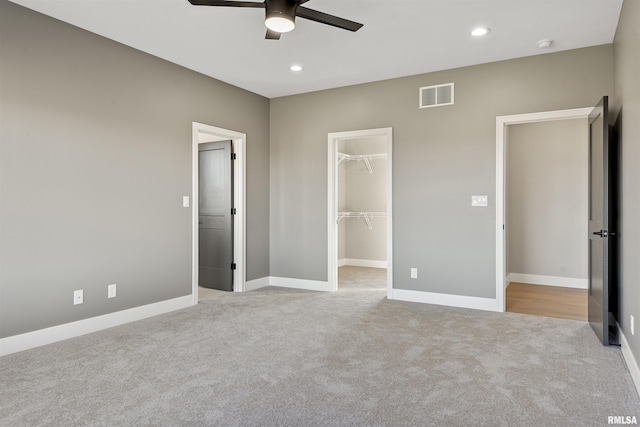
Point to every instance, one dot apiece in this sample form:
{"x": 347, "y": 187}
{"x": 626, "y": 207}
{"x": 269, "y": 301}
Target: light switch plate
{"x": 185, "y": 201}
{"x": 479, "y": 201}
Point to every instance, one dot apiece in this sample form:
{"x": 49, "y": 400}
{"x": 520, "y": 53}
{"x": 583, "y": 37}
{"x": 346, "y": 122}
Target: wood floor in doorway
{"x": 550, "y": 301}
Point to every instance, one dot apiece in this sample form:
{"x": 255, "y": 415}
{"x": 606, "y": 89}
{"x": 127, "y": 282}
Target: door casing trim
{"x": 501, "y": 140}
{"x": 239, "y": 143}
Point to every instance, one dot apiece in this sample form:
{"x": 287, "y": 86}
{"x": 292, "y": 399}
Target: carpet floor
{"x": 282, "y": 357}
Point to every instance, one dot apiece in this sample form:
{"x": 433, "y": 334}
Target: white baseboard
{"x": 252, "y": 285}
{"x": 287, "y": 282}
{"x": 342, "y": 262}
{"x": 477, "y": 303}
{"x": 536, "y": 279}
{"x": 363, "y": 263}
{"x": 310, "y": 285}
{"x": 53, "y": 334}
{"x": 631, "y": 362}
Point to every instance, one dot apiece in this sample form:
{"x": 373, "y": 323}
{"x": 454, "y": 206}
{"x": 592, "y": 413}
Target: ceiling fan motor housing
{"x": 281, "y": 9}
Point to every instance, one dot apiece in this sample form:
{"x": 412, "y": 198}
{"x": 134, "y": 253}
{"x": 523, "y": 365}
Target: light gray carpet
{"x": 278, "y": 357}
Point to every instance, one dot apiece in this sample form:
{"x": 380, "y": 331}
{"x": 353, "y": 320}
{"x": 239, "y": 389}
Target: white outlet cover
{"x": 414, "y": 273}
{"x": 185, "y": 201}
{"x": 111, "y": 291}
{"x": 479, "y": 201}
{"x": 78, "y": 297}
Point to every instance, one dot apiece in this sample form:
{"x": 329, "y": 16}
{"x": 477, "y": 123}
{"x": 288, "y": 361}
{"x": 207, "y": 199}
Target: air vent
{"x": 436, "y": 96}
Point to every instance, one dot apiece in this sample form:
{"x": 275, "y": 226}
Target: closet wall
{"x": 362, "y": 241}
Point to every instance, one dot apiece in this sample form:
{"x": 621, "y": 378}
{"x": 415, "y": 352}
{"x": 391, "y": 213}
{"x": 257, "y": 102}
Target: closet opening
{"x": 360, "y": 225}
{"x": 541, "y": 213}
{"x": 546, "y": 218}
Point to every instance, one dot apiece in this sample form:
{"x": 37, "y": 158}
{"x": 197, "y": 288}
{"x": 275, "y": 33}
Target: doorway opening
{"x": 518, "y": 224}
{"x": 202, "y": 134}
{"x": 360, "y": 234}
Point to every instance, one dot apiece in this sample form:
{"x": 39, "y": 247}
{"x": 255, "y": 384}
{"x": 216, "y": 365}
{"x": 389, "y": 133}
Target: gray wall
{"x": 441, "y": 157}
{"x": 366, "y": 192}
{"x": 547, "y": 170}
{"x": 95, "y": 142}
{"x": 626, "y": 111}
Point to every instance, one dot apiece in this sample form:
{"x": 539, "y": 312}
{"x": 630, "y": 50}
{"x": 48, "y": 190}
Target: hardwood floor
{"x": 550, "y": 301}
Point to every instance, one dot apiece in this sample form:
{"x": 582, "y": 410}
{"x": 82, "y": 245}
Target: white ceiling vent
{"x": 436, "y": 96}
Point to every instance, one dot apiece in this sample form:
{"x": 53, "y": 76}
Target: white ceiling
{"x": 399, "y": 37}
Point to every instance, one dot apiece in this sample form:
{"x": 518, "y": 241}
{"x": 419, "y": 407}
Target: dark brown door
{"x": 216, "y": 215}
{"x": 601, "y": 267}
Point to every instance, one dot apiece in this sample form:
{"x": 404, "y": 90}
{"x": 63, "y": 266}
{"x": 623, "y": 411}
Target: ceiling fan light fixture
{"x": 280, "y": 15}
{"x": 280, "y": 24}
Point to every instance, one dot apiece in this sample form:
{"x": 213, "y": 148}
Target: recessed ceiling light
{"x": 295, "y": 68}
{"x": 543, "y": 44}
{"x": 480, "y": 31}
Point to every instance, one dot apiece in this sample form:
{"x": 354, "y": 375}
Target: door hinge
{"x": 233, "y": 266}
{"x": 233, "y": 156}
{"x": 233, "y": 211}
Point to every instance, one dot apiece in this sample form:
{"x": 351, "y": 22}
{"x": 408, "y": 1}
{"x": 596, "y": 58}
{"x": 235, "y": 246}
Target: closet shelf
{"x": 366, "y": 158}
{"x": 366, "y": 215}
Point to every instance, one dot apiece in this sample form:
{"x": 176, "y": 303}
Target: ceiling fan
{"x": 280, "y": 15}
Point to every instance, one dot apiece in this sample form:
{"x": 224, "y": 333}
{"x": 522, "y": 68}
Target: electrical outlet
{"x": 78, "y": 297}
{"x": 185, "y": 201}
{"x": 111, "y": 291}
{"x": 414, "y": 273}
{"x": 633, "y": 328}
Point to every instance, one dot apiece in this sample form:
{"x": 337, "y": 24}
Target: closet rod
{"x": 365, "y": 215}
{"x": 364, "y": 157}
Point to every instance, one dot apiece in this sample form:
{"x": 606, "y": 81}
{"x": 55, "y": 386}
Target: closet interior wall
{"x": 362, "y": 202}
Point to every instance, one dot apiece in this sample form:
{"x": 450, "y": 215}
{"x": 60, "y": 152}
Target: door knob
{"x": 601, "y": 233}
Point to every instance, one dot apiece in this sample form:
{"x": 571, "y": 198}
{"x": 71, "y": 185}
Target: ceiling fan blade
{"x": 325, "y": 18}
{"x": 272, "y": 35}
{"x": 227, "y": 3}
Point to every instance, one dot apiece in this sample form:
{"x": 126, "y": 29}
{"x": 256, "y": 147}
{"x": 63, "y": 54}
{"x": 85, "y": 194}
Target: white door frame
{"x": 239, "y": 142}
{"x": 501, "y": 143}
{"x": 332, "y": 202}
